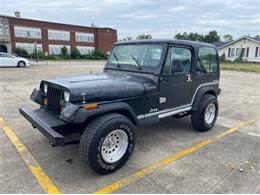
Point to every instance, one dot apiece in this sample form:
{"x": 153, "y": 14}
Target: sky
{"x": 161, "y": 19}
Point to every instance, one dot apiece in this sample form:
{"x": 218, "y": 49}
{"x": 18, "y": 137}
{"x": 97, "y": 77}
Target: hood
{"x": 20, "y": 58}
{"x": 104, "y": 86}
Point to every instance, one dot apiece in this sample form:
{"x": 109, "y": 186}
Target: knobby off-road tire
{"x": 107, "y": 143}
{"x": 205, "y": 117}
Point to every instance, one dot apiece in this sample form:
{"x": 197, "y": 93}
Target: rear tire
{"x": 21, "y": 64}
{"x": 205, "y": 117}
{"x": 107, "y": 143}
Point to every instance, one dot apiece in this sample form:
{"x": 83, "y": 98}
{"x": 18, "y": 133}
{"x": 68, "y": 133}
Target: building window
{"x": 85, "y": 50}
{"x": 26, "y": 32}
{"x": 58, "y": 35}
{"x": 29, "y": 47}
{"x": 238, "y": 51}
{"x": 247, "y": 52}
{"x": 232, "y": 54}
{"x": 56, "y": 49}
{"x": 84, "y": 37}
{"x": 1, "y": 29}
{"x": 257, "y": 52}
{"x": 207, "y": 60}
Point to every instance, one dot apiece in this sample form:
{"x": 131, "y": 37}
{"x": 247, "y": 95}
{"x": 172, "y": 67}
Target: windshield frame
{"x": 131, "y": 67}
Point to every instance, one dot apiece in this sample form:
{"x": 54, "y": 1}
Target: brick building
{"x": 50, "y": 37}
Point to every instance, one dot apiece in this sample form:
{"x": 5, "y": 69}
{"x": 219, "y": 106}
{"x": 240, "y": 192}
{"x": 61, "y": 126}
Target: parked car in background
{"x": 7, "y": 60}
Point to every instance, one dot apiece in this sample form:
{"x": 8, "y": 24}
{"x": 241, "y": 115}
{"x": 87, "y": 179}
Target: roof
{"x": 220, "y": 45}
{"x": 57, "y": 23}
{"x": 256, "y": 39}
{"x": 171, "y": 41}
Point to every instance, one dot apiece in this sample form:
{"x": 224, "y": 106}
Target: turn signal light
{"x": 90, "y": 106}
{"x": 45, "y": 101}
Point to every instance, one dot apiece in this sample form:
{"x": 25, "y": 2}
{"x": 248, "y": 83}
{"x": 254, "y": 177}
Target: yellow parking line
{"x": 145, "y": 171}
{"x": 42, "y": 178}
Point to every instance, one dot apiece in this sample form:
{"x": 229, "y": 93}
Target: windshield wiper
{"x": 115, "y": 56}
{"x": 136, "y": 61}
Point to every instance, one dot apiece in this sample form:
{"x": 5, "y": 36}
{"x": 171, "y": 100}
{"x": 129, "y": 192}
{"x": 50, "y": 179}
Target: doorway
{"x": 3, "y": 48}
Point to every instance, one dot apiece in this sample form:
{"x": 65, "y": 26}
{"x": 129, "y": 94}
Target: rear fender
{"x": 201, "y": 92}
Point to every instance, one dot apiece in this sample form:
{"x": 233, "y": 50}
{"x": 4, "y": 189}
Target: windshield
{"x": 139, "y": 55}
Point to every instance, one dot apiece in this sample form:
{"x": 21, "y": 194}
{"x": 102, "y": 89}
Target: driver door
{"x": 176, "y": 81}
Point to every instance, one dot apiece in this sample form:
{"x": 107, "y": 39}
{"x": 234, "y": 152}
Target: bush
{"x": 222, "y": 58}
{"x": 75, "y": 54}
{"x": 241, "y": 55}
{"x": 98, "y": 54}
{"x": 64, "y": 51}
{"x": 22, "y": 52}
{"x": 40, "y": 55}
{"x": 53, "y": 57}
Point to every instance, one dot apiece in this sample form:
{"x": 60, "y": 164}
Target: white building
{"x": 248, "y": 45}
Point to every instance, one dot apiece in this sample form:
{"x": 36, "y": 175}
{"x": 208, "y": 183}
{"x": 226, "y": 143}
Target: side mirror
{"x": 176, "y": 66}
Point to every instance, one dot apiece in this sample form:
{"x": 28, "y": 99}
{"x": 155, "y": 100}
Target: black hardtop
{"x": 168, "y": 41}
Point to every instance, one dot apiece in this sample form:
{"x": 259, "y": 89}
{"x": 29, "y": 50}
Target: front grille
{"x": 54, "y": 96}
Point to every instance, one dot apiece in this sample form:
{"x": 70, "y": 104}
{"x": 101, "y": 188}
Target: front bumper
{"x": 46, "y": 124}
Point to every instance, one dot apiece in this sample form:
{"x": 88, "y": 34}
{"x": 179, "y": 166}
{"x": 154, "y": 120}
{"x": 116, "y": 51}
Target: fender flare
{"x": 201, "y": 92}
{"x": 83, "y": 115}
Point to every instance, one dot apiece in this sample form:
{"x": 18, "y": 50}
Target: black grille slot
{"x": 54, "y": 98}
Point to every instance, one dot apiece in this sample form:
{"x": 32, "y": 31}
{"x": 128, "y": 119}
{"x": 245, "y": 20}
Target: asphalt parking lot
{"x": 165, "y": 158}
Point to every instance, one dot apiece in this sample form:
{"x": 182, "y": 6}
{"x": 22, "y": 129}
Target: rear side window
{"x": 207, "y": 60}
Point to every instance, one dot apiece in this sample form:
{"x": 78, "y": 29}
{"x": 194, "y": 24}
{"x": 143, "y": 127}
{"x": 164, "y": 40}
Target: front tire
{"x": 21, "y": 64}
{"x": 107, "y": 143}
{"x": 205, "y": 117}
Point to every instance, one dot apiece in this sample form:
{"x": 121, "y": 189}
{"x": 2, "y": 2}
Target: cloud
{"x": 177, "y": 8}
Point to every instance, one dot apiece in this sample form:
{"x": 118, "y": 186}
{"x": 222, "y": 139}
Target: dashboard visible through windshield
{"x": 139, "y": 55}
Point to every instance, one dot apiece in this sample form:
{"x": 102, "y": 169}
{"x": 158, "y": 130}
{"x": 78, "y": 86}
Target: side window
{"x": 178, "y": 60}
{"x": 207, "y": 60}
{"x": 6, "y": 55}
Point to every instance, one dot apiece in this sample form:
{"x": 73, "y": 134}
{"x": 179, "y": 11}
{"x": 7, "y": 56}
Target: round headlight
{"x": 66, "y": 96}
{"x": 45, "y": 88}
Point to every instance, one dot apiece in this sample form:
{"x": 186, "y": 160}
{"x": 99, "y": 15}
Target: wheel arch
{"x": 120, "y": 107}
{"x": 202, "y": 91}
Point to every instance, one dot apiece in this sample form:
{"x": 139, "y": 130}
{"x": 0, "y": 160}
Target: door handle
{"x": 188, "y": 78}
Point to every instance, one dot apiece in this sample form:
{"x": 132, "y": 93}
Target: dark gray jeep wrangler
{"x": 142, "y": 82}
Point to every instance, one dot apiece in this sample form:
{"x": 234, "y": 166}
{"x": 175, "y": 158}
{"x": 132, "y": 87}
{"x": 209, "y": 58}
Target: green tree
{"x": 183, "y": 36}
{"x": 228, "y": 38}
{"x": 75, "y": 53}
{"x": 257, "y": 36}
{"x": 64, "y": 51}
{"x": 212, "y": 37}
{"x": 144, "y": 36}
{"x": 127, "y": 39}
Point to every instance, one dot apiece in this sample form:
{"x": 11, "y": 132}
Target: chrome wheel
{"x": 114, "y": 146}
{"x": 210, "y": 113}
